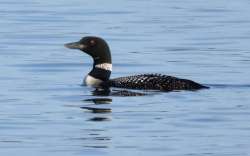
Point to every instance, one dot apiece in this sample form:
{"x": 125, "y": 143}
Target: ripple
{"x": 97, "y": 110}
{"x": 45, "y": 111}
{"x": 233, "y": 86}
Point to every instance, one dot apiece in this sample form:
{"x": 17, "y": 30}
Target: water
{"x": 42, "y": 99}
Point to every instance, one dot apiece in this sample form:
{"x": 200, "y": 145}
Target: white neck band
{"x": 105, "y": 66}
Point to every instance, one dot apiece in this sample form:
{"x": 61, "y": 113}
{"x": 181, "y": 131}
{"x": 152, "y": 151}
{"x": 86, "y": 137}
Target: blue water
{"x": 42, "y": 100}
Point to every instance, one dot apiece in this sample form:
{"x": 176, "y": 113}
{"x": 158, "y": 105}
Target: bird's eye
{"x": 92, "y": 42}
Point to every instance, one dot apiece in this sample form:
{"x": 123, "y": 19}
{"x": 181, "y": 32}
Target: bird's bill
{"x": 75, "y": 45}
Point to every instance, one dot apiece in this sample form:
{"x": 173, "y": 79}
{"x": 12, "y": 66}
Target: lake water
{"x": 42, "y": 100}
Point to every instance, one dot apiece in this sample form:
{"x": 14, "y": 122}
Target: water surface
{"x": 42, "y": 99}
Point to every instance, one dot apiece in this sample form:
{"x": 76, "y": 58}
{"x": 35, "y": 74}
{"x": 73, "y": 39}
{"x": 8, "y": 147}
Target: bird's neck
{"x": 102, "y": 56}
{"x": 102, "y": 67}
{"x": 101, "y": 70}
{"x": 99, "y": 73}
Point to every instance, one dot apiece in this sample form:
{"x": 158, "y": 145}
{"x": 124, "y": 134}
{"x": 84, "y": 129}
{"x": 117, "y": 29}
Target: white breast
{"x": 91, "y": 81}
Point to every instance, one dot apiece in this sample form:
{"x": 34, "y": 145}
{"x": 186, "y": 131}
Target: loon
{"x": 99, "y": 76}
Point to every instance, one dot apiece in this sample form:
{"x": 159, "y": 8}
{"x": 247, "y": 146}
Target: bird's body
{"x": 153, "y": 82}
{"x": 99, "y": 76}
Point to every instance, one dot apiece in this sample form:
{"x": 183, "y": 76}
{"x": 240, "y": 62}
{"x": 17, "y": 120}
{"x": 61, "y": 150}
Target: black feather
{"x": 153, "y": 82}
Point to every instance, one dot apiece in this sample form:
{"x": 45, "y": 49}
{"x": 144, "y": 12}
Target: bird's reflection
{"x": 104, "y": 97}
{"x": 97, "y": 110}
{"x": 116, "y": 92}
{"x": 101, "y": 92}
{"x": 99, "y": 119}
{"x": 100, "y": 111}
{"x": 99, "y": 100}
{"x": 100, "y": 114}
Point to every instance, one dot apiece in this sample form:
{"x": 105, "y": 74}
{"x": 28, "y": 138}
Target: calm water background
{"x": 41, "y": 94}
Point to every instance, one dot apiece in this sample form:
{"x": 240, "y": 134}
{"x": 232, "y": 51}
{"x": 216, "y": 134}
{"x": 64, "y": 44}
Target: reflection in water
{"x": 97, "y": 110}
{"x": 107, "y": 92}
{"x": 116, "y": 92}
{"x": 232, "y": 86}
{"x": 103, "y": 114}
{"x": 96, "y": 146}
{"x": 99, "y": 100}
{"x": 101, "y": 92}
{"x": 97, "y": 138}
{"x": 97, "y": 119}
{"x": 127, "y": 93}
{"x": 93, "y": 138}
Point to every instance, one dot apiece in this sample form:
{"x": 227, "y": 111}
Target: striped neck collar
{"x": 105, "y": 66}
